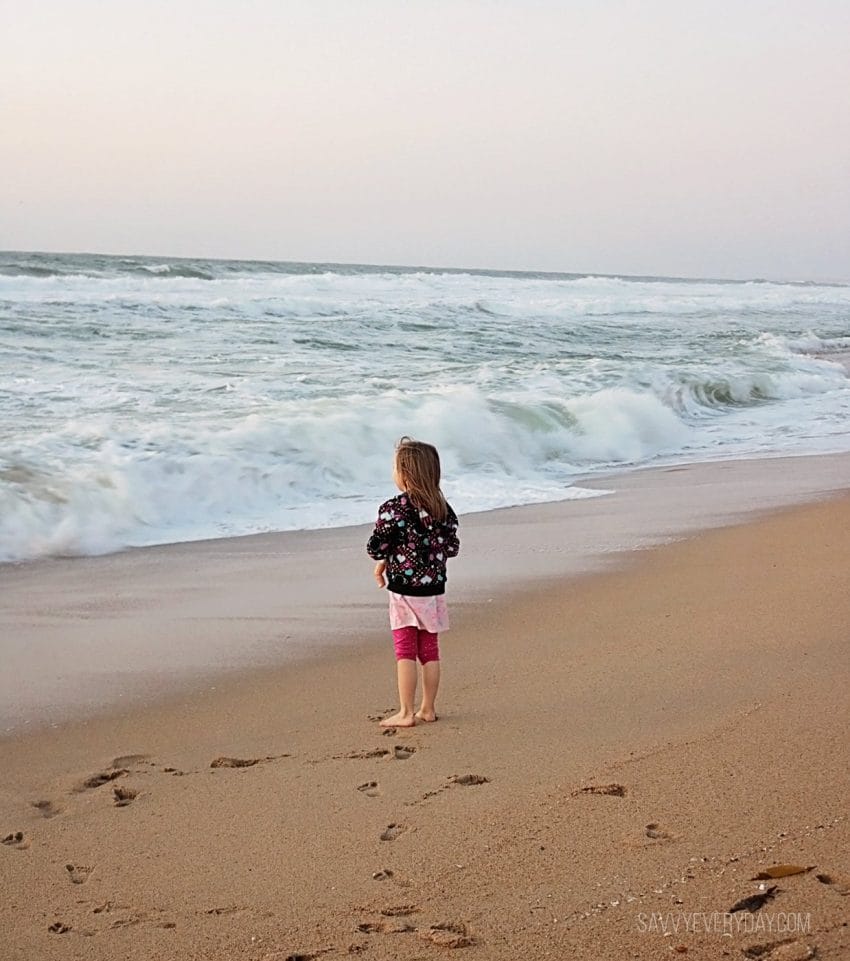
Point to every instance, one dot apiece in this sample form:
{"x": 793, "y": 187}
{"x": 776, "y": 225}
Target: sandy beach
{"x": 289, "y": 289}
{"x": 626, "y": 739}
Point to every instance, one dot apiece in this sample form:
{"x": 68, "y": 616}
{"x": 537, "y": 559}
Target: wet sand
{"x": 617, "y": 753}
{"x": 84, "y": 636}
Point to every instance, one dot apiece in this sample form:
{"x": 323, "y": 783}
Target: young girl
{"x": 414, "y": 536}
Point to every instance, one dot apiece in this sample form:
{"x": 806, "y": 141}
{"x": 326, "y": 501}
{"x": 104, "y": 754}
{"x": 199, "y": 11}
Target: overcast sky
{"x": 682, "y": 138}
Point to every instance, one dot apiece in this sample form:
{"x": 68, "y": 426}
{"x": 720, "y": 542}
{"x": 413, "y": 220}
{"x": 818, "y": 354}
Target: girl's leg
{"x": 405, "y": 640}
{"x": 429, "y": 655}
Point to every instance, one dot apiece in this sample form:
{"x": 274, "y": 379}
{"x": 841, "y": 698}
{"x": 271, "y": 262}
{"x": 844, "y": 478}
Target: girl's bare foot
{"x": 424, "y": 715}
{"x": 399, "y": 720}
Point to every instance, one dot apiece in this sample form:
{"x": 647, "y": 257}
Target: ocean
{"x": 153, "y": 400}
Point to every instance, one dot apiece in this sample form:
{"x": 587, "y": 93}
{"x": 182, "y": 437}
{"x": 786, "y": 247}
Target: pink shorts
{"x": 413, "y": 644}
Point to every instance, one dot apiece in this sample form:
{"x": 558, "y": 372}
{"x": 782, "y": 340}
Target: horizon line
{"x": 834, "y": 282}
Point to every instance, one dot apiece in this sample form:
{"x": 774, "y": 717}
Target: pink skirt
{"x": 426, "y": 613}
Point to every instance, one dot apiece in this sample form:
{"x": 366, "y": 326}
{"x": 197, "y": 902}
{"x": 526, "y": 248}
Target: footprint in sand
{"x": 109, "y": 907}
{"x": 59, "y": 928}
{"x": 370, "y": 789}
{"x": 787, "y": 949}
{"x": 399, "y": 910}
{"x": 234, "y": 762}
{"x": 392, "y": 832}
{"x": 428, "y": 795}
{"x": 468, "y": 779}
{"x": 448, "y": 934}
{"x": 656, "y": 833}
{"x": 79, "y": 873}
{"x": 385, "y": 927}
{"x": 380, "y": 715}
{"x": 297, "y": 955}
{"x": 464, "y": 780}
{"x": 16, "y": 840}
{"x": 99, "y": 779}
{"x": 130, "y": 760}
{"x": 387, "y": 874}
{"x": 840, "y": 883}
{"x": 364, "y": 755}
{"x": 47, "y": 809}
{"x": 124, "y": 796}
{"x": 608, "y": 790}
{"x": 137, "y": 917}
{"x": 244, "y": 761}
{"x": 402, "y": 752}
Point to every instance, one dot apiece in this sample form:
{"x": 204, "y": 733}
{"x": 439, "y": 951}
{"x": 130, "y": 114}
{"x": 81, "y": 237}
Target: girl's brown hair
{"x": 418, "y": 467}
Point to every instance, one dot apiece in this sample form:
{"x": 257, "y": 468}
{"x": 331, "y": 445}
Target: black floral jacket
{"x": 415, "y": 547}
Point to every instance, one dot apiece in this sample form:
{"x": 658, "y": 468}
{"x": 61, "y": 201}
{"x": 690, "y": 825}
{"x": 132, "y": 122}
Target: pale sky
{"x": 675, "y": 137}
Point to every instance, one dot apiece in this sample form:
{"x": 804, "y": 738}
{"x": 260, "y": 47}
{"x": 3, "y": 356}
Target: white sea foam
{"x": 152, "y": 401}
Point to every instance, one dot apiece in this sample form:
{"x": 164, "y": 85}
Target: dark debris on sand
{"x": 755, "y": 902}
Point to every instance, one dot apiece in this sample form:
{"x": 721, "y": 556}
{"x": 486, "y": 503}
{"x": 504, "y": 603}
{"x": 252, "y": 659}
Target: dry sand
{"x": 704, "y": 684}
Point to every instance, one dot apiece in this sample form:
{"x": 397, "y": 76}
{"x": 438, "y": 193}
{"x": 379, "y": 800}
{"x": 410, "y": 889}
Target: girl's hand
{"x": 380, "y": 567}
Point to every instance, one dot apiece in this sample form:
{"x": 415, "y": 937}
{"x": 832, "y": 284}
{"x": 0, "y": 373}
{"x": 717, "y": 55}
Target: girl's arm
{"x": 452, "y": 542}
{"x": 380, "y": 544}
{"x": 380, "y": 571}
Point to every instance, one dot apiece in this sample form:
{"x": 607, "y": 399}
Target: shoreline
{"x": 707, "y": 680}
{"x": 236, "y": 606}
{"x": 592, "y": 481}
